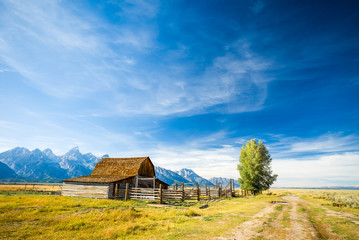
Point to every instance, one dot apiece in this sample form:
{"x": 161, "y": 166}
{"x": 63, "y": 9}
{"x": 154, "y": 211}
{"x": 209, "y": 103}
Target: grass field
{"x": 28, "y": 215}
{"x": 30, "y": 187}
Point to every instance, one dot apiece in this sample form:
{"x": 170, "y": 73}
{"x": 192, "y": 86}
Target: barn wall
{"x": 91, "y": 190}
{"x": 146, "y": 169}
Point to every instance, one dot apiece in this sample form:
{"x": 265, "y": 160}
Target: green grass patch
{"x": 326, "y": 224}
{"x": 302, "y": 210}
{"x": 279, "y": 208}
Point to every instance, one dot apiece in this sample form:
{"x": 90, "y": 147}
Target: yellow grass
{"x": 27, "y": 215}
{"x": 29, "y": 187}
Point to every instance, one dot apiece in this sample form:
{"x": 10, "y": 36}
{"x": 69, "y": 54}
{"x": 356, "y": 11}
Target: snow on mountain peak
{"x": 191, "y": 176}
{"x": 74, "y": 150}
{"x": 36, "y": 152}
{"x": 48, "y": 151}
{"x": 73, "y": 154}
{"x": 20, "y": 150}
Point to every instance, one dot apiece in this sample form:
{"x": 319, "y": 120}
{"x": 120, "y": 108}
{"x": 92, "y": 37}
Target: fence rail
{"x": 182, "y": 194}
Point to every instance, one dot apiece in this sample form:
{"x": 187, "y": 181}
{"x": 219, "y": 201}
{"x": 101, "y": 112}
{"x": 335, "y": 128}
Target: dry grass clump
{"x": 192, "y": 213}
{"x": 340, "y": 199}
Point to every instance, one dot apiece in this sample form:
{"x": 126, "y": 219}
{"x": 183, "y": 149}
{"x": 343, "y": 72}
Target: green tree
{"x": 255, "y": 167}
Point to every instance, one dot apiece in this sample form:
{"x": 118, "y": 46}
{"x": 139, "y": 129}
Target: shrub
{"x": 342, "y": 199}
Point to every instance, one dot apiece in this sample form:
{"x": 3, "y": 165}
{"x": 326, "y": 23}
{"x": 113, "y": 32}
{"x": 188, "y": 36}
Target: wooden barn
{"x": 113, "y": 173}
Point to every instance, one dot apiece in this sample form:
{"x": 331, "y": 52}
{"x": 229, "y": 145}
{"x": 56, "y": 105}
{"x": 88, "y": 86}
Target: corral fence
{"x": 178, "y": 193}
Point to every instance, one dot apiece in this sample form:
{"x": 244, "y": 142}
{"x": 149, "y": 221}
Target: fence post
{"x": 115, "y": 192}
{"x": 197, "y": 191}
{"x": 182, "y": 187}
{"x": 160, "y": 193}
{"x": 234, "y": 189}
{"x": 136, "y": 186}
{"x": 230, "y": 187}
{"x": 126, "y": 192}
{"x": 209, "y": 193}
{"x": 225, "y": 193}
{"x": 219, "y": 192}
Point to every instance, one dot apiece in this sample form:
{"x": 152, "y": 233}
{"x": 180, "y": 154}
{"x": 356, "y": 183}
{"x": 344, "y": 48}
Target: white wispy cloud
{"x": 336, "y": 167}
{"x": 73, "y": 53}
{"x": 328, "y": 143}
{"x": 326, "y": 160}
{"x": 48, "y": 37}
{"x": 283, "y": 146}
{"x": 137, "y": 8}
{"x": 329, "y": 170}
{"x": 258, "y": 5}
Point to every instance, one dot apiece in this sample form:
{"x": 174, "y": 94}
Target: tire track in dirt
{"x": 247, "y": 230}
{"x": 300, "y": 226}
{"x": 300, "y": 223}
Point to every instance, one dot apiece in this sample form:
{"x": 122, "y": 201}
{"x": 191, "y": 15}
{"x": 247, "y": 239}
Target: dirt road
{"x": 247, "y": 230}
{"x": 300, "y": 226}
{"x": 277, "y": 221}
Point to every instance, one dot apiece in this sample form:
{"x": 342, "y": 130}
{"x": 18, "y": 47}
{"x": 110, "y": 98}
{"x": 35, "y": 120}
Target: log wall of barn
{"x": 91, "y": 190}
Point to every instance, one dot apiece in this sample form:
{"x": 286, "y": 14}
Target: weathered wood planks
{"x": 85, "y": 190}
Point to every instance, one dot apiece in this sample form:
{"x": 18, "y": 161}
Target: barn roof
{"x": 95, "y": 179}
{"x": 113, "y": 170}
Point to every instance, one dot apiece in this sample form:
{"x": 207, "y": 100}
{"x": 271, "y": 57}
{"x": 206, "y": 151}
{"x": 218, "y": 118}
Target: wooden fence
{"x": 182, "y": 194}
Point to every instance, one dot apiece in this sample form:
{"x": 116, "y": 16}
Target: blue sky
{"x": 186, "y": 83}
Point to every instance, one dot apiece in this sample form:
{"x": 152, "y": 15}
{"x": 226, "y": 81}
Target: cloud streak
{"x": 70, "y": 57}
{"x": 301, "y": 148}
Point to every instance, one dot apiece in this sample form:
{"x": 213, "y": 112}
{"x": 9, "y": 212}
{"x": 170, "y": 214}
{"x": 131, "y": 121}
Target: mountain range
{"x": 22, "y": 164}
{"x": 223, "y": 181}
{"x": 45, "y": 165}
{"x": 191, "y": 176}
